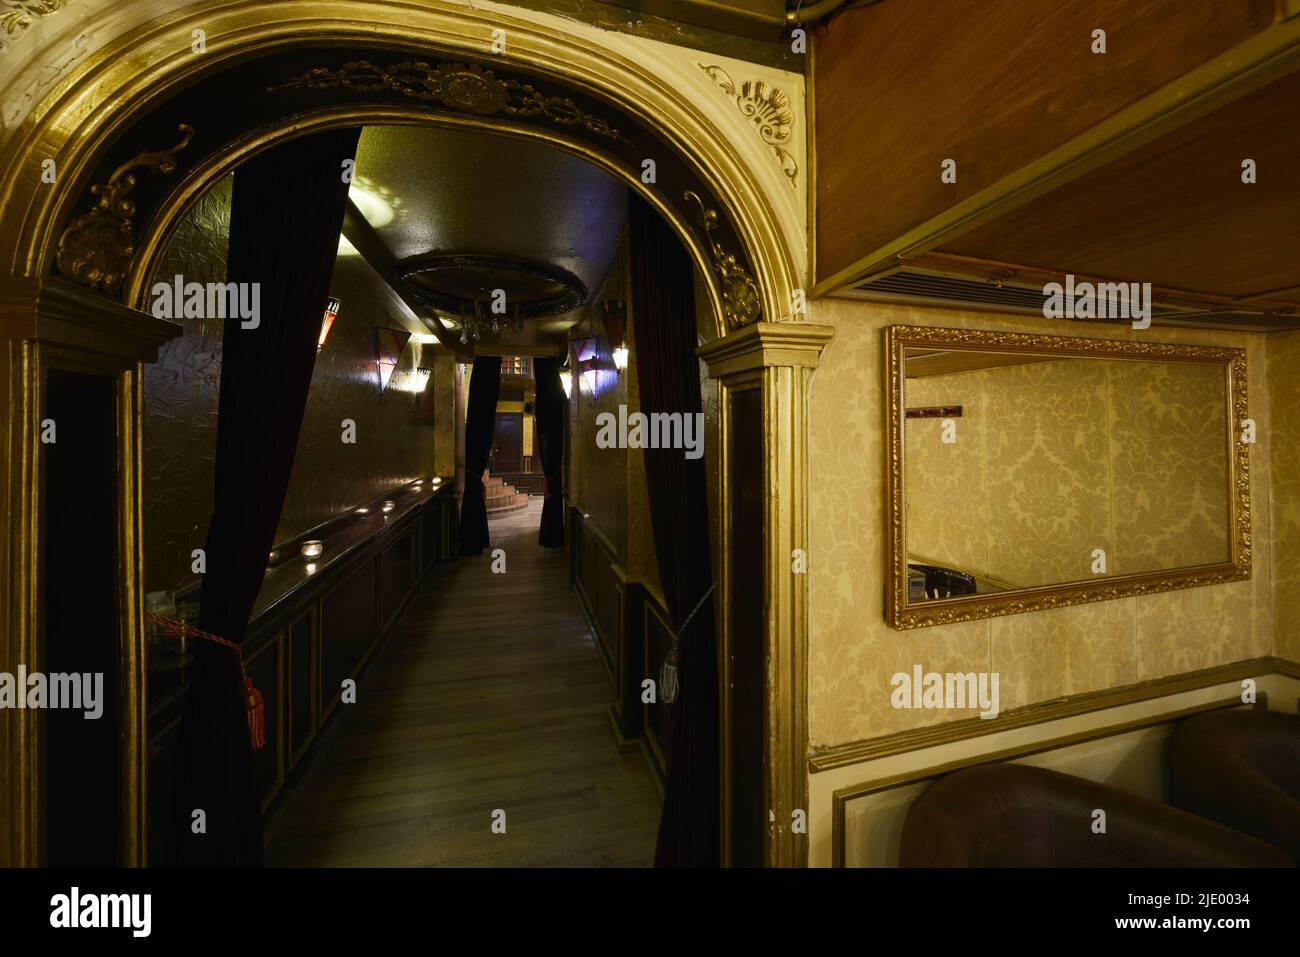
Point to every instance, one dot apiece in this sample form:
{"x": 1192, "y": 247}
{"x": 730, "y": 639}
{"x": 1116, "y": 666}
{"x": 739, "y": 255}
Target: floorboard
{"x": 489, "y": 694}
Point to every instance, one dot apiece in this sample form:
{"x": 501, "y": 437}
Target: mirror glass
{"x": 1030, "y": 472}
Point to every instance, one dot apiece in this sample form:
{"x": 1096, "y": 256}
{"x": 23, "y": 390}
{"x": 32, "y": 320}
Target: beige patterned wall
{"x": 1284, "y": 390}
{"x": 397, "y": 440}
{"x": 1055, "y": 459}
{"x": 1040, "y": 655}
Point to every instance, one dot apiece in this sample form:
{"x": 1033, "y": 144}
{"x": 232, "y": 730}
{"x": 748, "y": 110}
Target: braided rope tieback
{"x": 668, "y": 673}
{"x": 256, "y": 710}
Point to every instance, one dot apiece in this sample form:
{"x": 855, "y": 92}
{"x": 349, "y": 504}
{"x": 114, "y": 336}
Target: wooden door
{"x": 508, "y": 453}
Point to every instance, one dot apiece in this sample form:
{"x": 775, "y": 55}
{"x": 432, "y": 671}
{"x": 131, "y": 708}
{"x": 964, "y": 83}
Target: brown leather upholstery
{"x": 1012, "y": 815}
{"x": 1242, "y": 769}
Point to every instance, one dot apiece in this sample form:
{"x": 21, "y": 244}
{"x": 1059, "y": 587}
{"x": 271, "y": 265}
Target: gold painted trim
{"x": 841, "y": 797}
{"x": 779, "y": 358}
{"x": 135, "y": 702}
{"x": 900, "y": 614}
{"x": 1250, "y": 65}
{"x": 21, "y": 402}
{"x": 966, "y": 729}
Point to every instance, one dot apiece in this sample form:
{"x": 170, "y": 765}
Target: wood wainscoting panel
{"x": 301, "y": 711}
{"x": 396, "y": 567}
{"x": 347, "y": 627}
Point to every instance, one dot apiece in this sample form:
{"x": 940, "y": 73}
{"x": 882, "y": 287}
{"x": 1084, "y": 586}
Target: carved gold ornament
{"x": 96, "y": 248}
{"x": 17, "y": 15}
{"x": 465, "y": 87}
{"x": 767, "y": 108}
{"x": 740, "y": 302}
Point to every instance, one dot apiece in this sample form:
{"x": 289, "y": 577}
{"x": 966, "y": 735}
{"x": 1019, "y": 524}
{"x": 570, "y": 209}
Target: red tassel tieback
{"x": 255, "y": 709}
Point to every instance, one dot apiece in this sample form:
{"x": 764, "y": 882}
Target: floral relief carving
{"x": 767, "y": 108}
{"x": 464, "y": 87}
{"x": 96, "y": 248}
{"x": 740, "y": 300}
{"x": 17, "y": 15}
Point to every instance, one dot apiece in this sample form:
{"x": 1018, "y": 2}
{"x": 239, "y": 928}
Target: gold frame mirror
{"x": 949, "y": 352}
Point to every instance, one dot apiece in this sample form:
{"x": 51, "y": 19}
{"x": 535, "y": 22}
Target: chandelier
{"x": 482, "y": 324}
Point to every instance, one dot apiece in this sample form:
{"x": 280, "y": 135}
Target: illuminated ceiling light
{"x": 566, "y": 380}
{"x": 422, "y": 378}
{"x": 331, "y": 313}
{"x": 389, "y": 344}
{"x": 376, "y": 210}
{"x": 620, "y": 358}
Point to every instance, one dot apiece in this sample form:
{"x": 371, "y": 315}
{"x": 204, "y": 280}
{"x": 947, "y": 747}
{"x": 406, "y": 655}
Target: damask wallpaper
{"x": 1040, "y": 655}
{"x": 397, "y": 438}
{"x": 1050, "y": 460}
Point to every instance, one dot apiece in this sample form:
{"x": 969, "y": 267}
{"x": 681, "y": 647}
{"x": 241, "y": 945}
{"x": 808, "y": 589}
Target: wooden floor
{"x": 489, "y": 694}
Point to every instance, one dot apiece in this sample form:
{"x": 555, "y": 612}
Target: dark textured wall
{"x": 396, "y": 434}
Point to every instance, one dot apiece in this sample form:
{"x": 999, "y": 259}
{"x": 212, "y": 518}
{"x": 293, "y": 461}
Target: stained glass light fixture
{"x": 331, "y": 313}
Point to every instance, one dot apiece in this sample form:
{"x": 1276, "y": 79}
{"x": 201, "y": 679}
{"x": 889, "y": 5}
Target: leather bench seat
{"x": 1242, "y": 769}
{"x": 1013, "y": 815}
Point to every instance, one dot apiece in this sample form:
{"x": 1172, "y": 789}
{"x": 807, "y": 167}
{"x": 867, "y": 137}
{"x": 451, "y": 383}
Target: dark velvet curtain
{"x": 480, "y": 426}
{"x": 552, "y": 420}
{"x": 663, "y": 323}
{"x": 285, "y": 216}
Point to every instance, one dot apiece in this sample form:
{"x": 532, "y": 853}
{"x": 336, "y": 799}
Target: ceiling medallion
{"x": 492, "y": 293}
{"x": 17, "y": 15}
{"x": 466, "y": 87}
{"x": 96, "y": 248}
{"x": 740, "y": 302}
{"x": 767, "y": 108}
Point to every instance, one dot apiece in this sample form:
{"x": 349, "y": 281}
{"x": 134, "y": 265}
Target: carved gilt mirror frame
{"x": 900, "y": 614}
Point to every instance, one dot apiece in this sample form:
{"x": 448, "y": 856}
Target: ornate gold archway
{"x": 103, "y": 102}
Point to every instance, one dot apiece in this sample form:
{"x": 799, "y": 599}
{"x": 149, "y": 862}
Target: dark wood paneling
{"x": 746, "y": 665}
{"x": 1175, "y": 212}
{"x": 901, "y": 86}
{"x": 395, "y": 577}
{"x": 302, "y": 717}
{"x": 81, "y": 787}
{"x": 347, "y": 627}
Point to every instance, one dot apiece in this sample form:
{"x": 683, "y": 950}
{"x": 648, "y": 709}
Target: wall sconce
{"x": 331, "y": 313}
{"x": 566, "y": 381}
{"x": 614, "y": 319}
{"x": 422, "y": 378}
{"x": 312, "y": 549}
{"x": 389, "y": 344}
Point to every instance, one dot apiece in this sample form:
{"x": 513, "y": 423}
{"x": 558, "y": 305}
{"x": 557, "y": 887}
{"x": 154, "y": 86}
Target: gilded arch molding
{"x": 373, "y": 62}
